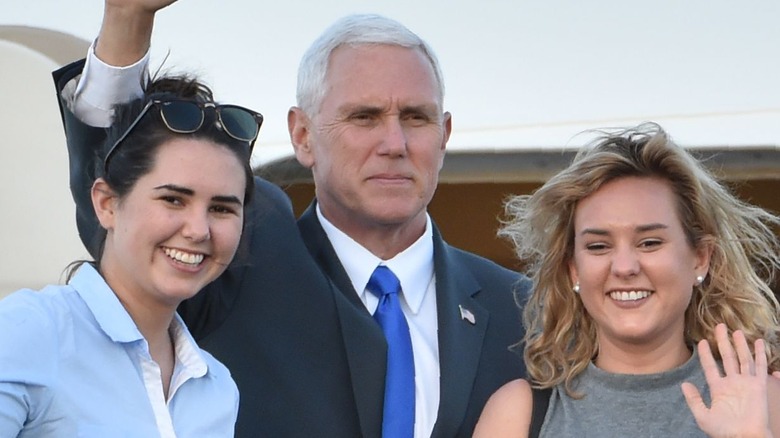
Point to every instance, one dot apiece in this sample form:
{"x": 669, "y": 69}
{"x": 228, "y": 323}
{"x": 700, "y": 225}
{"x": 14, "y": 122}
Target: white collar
{"x": 117, "y": 324}
{"x": 413, "y": 266}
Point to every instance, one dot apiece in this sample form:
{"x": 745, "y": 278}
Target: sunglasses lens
{"x": 239, "y": 123}
{"x": 182, "y": 116}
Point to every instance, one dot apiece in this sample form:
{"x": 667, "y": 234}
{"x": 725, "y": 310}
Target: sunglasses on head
{"x": 187, "y": 116}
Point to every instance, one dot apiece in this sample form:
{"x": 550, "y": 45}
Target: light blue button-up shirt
{"x": 73, "y": 364}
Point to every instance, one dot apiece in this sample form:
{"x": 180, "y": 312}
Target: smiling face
{"x": 377, "y": 143}
{"x": 635, "y": 267}
{"x": 179, "y": 226}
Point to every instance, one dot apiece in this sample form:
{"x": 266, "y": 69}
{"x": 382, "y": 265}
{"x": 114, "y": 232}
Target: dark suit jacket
{"x": 270, "y": 318}
{"x": 474, "y": 360}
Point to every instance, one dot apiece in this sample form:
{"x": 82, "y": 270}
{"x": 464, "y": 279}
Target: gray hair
{"x": 354, "y": 30}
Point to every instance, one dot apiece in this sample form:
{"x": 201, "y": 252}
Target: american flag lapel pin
{"x": 466, "y": 315}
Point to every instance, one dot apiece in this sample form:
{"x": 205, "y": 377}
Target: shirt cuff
{"x": 101, "y": 86}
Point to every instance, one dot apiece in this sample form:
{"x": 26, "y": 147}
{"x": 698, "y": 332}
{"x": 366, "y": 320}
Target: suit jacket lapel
{"x": 363, "y": 338}
{"x": 460, "y": 340}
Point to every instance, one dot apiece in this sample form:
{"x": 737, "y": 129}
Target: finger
{"x": 727, "y": 354}
{"x": 761, "y": 359}
{"x": 707, "y": 361}
{"x": 746, "y": 363}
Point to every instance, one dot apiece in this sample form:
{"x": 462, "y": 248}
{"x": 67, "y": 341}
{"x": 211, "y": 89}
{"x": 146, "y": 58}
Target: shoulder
{"x": 516, "y": 392}
{"x": 269, "y": 192}
{"x": 30, "y": 325}
{"x": 269, "y": 203}
{"x": 492, "y": 276}
{"x": 482, "y": 267}
{"x": 268, "y": 216}
{"x": 507, "y": 412}
{"x": 27, "y": 309}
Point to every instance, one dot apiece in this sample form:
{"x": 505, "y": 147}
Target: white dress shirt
{"x": 414, "y": 269}
{"x": 92, "y": 99}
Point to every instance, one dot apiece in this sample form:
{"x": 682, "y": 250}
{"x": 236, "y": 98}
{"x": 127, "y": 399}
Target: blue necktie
{"x": 398, "y": 416}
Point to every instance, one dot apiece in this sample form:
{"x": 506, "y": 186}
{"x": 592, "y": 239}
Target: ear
{"x": 299, "y": 126}
{"x": 105, "y": 203}
{"x": 703, "y": 256}
{"x": 575, "y": 278}
{"x": 447, "y": 125}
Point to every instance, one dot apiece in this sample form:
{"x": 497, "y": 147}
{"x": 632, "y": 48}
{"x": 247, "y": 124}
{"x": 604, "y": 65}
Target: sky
{"x": 518, "y": 73}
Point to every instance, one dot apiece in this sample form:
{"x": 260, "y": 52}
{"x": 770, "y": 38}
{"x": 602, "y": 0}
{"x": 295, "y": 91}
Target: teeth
{"x": 184, "y": 257}
{"x": 629, "y": 296}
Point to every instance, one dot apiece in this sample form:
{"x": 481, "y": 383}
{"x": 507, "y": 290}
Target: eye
{"x": 416, "y": 118}
{"x": 172, "y": 200}
{"x": 223, "y": 209}
{"x": 596, "y": 247}
{"x": 363, "y": 118}
{"x": 650, "y": 243}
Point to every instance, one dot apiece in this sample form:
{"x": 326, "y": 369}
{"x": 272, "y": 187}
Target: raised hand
{"x": 739, "y": 405}
{"x": 126, "y": 32}
{"x": 150, "y": 6}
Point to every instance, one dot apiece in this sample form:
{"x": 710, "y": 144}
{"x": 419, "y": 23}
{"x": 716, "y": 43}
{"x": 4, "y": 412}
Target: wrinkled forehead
{"x": 381, "y": 71}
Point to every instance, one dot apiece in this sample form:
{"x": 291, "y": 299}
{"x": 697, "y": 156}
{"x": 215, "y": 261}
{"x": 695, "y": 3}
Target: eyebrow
{"x": 378, "y": 109}
{"x": 362, "y": 108}
{"x": 639, "y": 229}
{"x": 422, "y": 108}
{"x": 189, "y": 192}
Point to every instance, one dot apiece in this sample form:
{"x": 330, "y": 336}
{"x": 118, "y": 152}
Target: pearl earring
{"x": 699, "y": 280}
{"x": 576, "y": 287}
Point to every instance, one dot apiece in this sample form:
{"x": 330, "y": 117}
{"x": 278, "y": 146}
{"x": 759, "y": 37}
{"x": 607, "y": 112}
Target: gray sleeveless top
{"x": 625, "y": 405}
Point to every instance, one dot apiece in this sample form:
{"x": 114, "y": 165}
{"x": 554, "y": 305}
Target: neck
{"x": 152, "y": 316}
{"x": 153, "y": 319}
{"x": 383, "y": 240}
{"x": 634, "y": 358}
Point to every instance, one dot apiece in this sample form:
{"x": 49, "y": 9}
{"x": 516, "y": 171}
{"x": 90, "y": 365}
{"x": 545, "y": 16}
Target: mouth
{"x": 187, "y": 258}
{"x": 633, "y": 295}
{"x": 391, "y": 178}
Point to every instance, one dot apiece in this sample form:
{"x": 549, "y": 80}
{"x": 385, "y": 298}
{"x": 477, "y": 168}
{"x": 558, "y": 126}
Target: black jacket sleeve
{"x": 85, "y": 153}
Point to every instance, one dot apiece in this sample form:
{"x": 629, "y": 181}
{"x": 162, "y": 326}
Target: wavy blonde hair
{"x": 560, "y": 337}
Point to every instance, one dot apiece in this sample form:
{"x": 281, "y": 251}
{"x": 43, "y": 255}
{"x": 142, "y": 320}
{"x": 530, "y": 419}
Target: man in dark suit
{"x": 309, "y": 359}
{"x": 375, "y": 142}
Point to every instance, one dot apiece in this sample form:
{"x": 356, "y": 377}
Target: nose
{"x": 394, "y": 142}
{"x": 625, "y": 263}
{"x": 197, "y": 227}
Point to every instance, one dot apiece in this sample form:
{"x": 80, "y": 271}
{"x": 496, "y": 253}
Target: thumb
{"x": 693, "y": 399}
